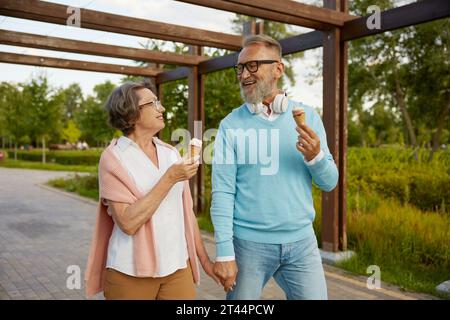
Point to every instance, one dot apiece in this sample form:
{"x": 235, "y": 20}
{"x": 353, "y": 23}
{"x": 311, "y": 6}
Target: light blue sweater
{"x": 261, "y": 186}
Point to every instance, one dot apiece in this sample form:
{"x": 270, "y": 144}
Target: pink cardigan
{"x": 116, "y": 185}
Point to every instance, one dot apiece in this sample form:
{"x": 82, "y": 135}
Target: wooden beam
{"x": 303, "y": 42}
{"x": 300, "y": 10}
{"x": 76, "y": 65}
{"x": 90, "y": 19}
{"x": 84, "y": 47}
{"x": 290, "y": 45}
{"x": 254, "y": 12}
{"x": 401, "y": 17}
{"x": 285, "y": 11}
{"x": 172, "y": 75}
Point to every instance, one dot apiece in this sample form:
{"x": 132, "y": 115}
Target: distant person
{"x": 84, "y": 145}
{"x": 146, "y": 241}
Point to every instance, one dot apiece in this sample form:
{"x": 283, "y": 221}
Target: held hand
{"x": 208, "y": 266}
{"x": 227, "y": 272}
{"x": 182, "y": 170}
{"x": 308, "y": 142}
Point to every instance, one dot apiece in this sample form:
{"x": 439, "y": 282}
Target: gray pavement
{"x": 44, "y": 231}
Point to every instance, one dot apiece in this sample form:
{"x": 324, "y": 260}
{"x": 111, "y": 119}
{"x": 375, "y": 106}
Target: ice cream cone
{"x": 195, "y": 147}
{"x": 299, "y": 116}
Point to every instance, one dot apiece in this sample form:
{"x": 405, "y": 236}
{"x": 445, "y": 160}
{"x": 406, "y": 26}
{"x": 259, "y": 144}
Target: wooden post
{"x": 249, "y": 28}
{"x": 343, "y": 135}
{"x": 196, "y": 125}
{"x": 335, "y": 121}
{"x": 253, "y": 27}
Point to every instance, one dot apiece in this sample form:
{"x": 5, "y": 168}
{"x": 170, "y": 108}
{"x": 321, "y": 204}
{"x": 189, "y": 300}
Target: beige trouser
{"x": 176, "y": 286}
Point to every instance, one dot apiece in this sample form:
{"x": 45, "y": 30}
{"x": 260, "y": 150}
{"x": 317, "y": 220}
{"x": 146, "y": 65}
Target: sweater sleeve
{"x": 324, "y": 172}
{"x": 223, "y": 192}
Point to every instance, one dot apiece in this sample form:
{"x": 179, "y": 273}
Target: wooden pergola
{"x": 334, "y": 28}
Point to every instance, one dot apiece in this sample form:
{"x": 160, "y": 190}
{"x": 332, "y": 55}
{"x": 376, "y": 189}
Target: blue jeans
{"x": 296, "y": 267}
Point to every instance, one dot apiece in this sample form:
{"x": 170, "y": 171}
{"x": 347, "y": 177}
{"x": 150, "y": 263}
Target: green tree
{"x": 428, "y": 53}
{"x": 71, "y": 133}
{"x": 93, "y": 119}
{"x": 45, "y": 109}
{"x": 407, "y": 72}
{"x": 14, "y": 120}
{"x": 72, "y": 99}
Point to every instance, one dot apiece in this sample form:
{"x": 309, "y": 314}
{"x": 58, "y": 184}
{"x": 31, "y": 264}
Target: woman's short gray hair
{"x": 122, "y": 106}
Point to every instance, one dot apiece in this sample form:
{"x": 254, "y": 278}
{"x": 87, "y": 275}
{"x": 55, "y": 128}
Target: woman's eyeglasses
{"x": 251, "y": 66}
{"x": 156, "y": 104}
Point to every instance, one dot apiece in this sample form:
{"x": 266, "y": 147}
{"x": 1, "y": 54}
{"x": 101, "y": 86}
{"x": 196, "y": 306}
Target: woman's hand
{"x": 208, "y": 266}
{"x": 182, "y": 170}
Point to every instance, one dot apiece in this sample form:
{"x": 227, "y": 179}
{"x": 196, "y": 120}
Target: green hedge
{"x": 394, "y": 173}
{"x": 85, "y": 157}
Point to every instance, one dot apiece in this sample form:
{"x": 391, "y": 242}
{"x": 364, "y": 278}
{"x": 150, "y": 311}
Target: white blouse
{"x": 168, "y": 221}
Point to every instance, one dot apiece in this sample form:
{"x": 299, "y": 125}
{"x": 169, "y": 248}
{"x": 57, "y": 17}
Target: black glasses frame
{"x": 251, "y": 66}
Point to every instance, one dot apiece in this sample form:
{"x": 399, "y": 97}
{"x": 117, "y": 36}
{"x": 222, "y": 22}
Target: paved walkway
{"x": 44, "y": 231}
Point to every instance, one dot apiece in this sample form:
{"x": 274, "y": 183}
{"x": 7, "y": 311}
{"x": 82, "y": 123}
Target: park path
{"x": 43, "y": 231}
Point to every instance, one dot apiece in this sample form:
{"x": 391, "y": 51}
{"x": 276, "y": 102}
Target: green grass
{"x": 410, "y": 246}
{"x": 86, "y": 186}
{"x": 10, "y": 163}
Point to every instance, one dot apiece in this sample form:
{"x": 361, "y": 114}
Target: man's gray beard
{"x": 262, "y": 90}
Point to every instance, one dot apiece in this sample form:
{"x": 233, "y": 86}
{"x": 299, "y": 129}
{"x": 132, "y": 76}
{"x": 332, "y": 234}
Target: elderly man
{"x": 263, "y": 168}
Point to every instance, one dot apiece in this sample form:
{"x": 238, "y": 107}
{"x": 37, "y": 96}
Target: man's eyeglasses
{"x": 251, "y": 66}
{"x": 156, "y": 104}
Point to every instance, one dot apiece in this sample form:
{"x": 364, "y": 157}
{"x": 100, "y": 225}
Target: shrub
{"x": 394, "y": 173}
{"x": 85, "y": 157}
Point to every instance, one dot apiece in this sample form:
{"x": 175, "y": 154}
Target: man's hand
{"x": 208, "y": 266}
{"x": 308, "y": 142}
{"x": 227, "y": 272}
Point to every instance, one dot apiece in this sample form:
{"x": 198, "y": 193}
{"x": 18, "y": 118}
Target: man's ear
{"x": 279, "y": 70}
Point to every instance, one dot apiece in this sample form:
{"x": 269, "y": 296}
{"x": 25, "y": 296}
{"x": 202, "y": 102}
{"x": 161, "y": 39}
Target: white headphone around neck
{"x": 279, "y": 104}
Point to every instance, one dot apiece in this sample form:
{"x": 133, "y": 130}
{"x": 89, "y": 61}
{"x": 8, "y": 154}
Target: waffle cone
{"x": 300, "y": 118}
{"x": 194, "y": 151}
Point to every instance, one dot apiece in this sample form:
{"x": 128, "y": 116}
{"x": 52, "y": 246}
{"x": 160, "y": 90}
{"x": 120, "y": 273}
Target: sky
{"x": 306, "y": 89}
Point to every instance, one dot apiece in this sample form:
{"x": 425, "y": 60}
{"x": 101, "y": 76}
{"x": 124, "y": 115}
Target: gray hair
{"x": 264, "y": 39}
{"x": 122, "y": 106}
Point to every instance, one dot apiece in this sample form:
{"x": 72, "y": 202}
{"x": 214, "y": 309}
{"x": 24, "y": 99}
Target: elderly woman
{"x": 146, "y": 240}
